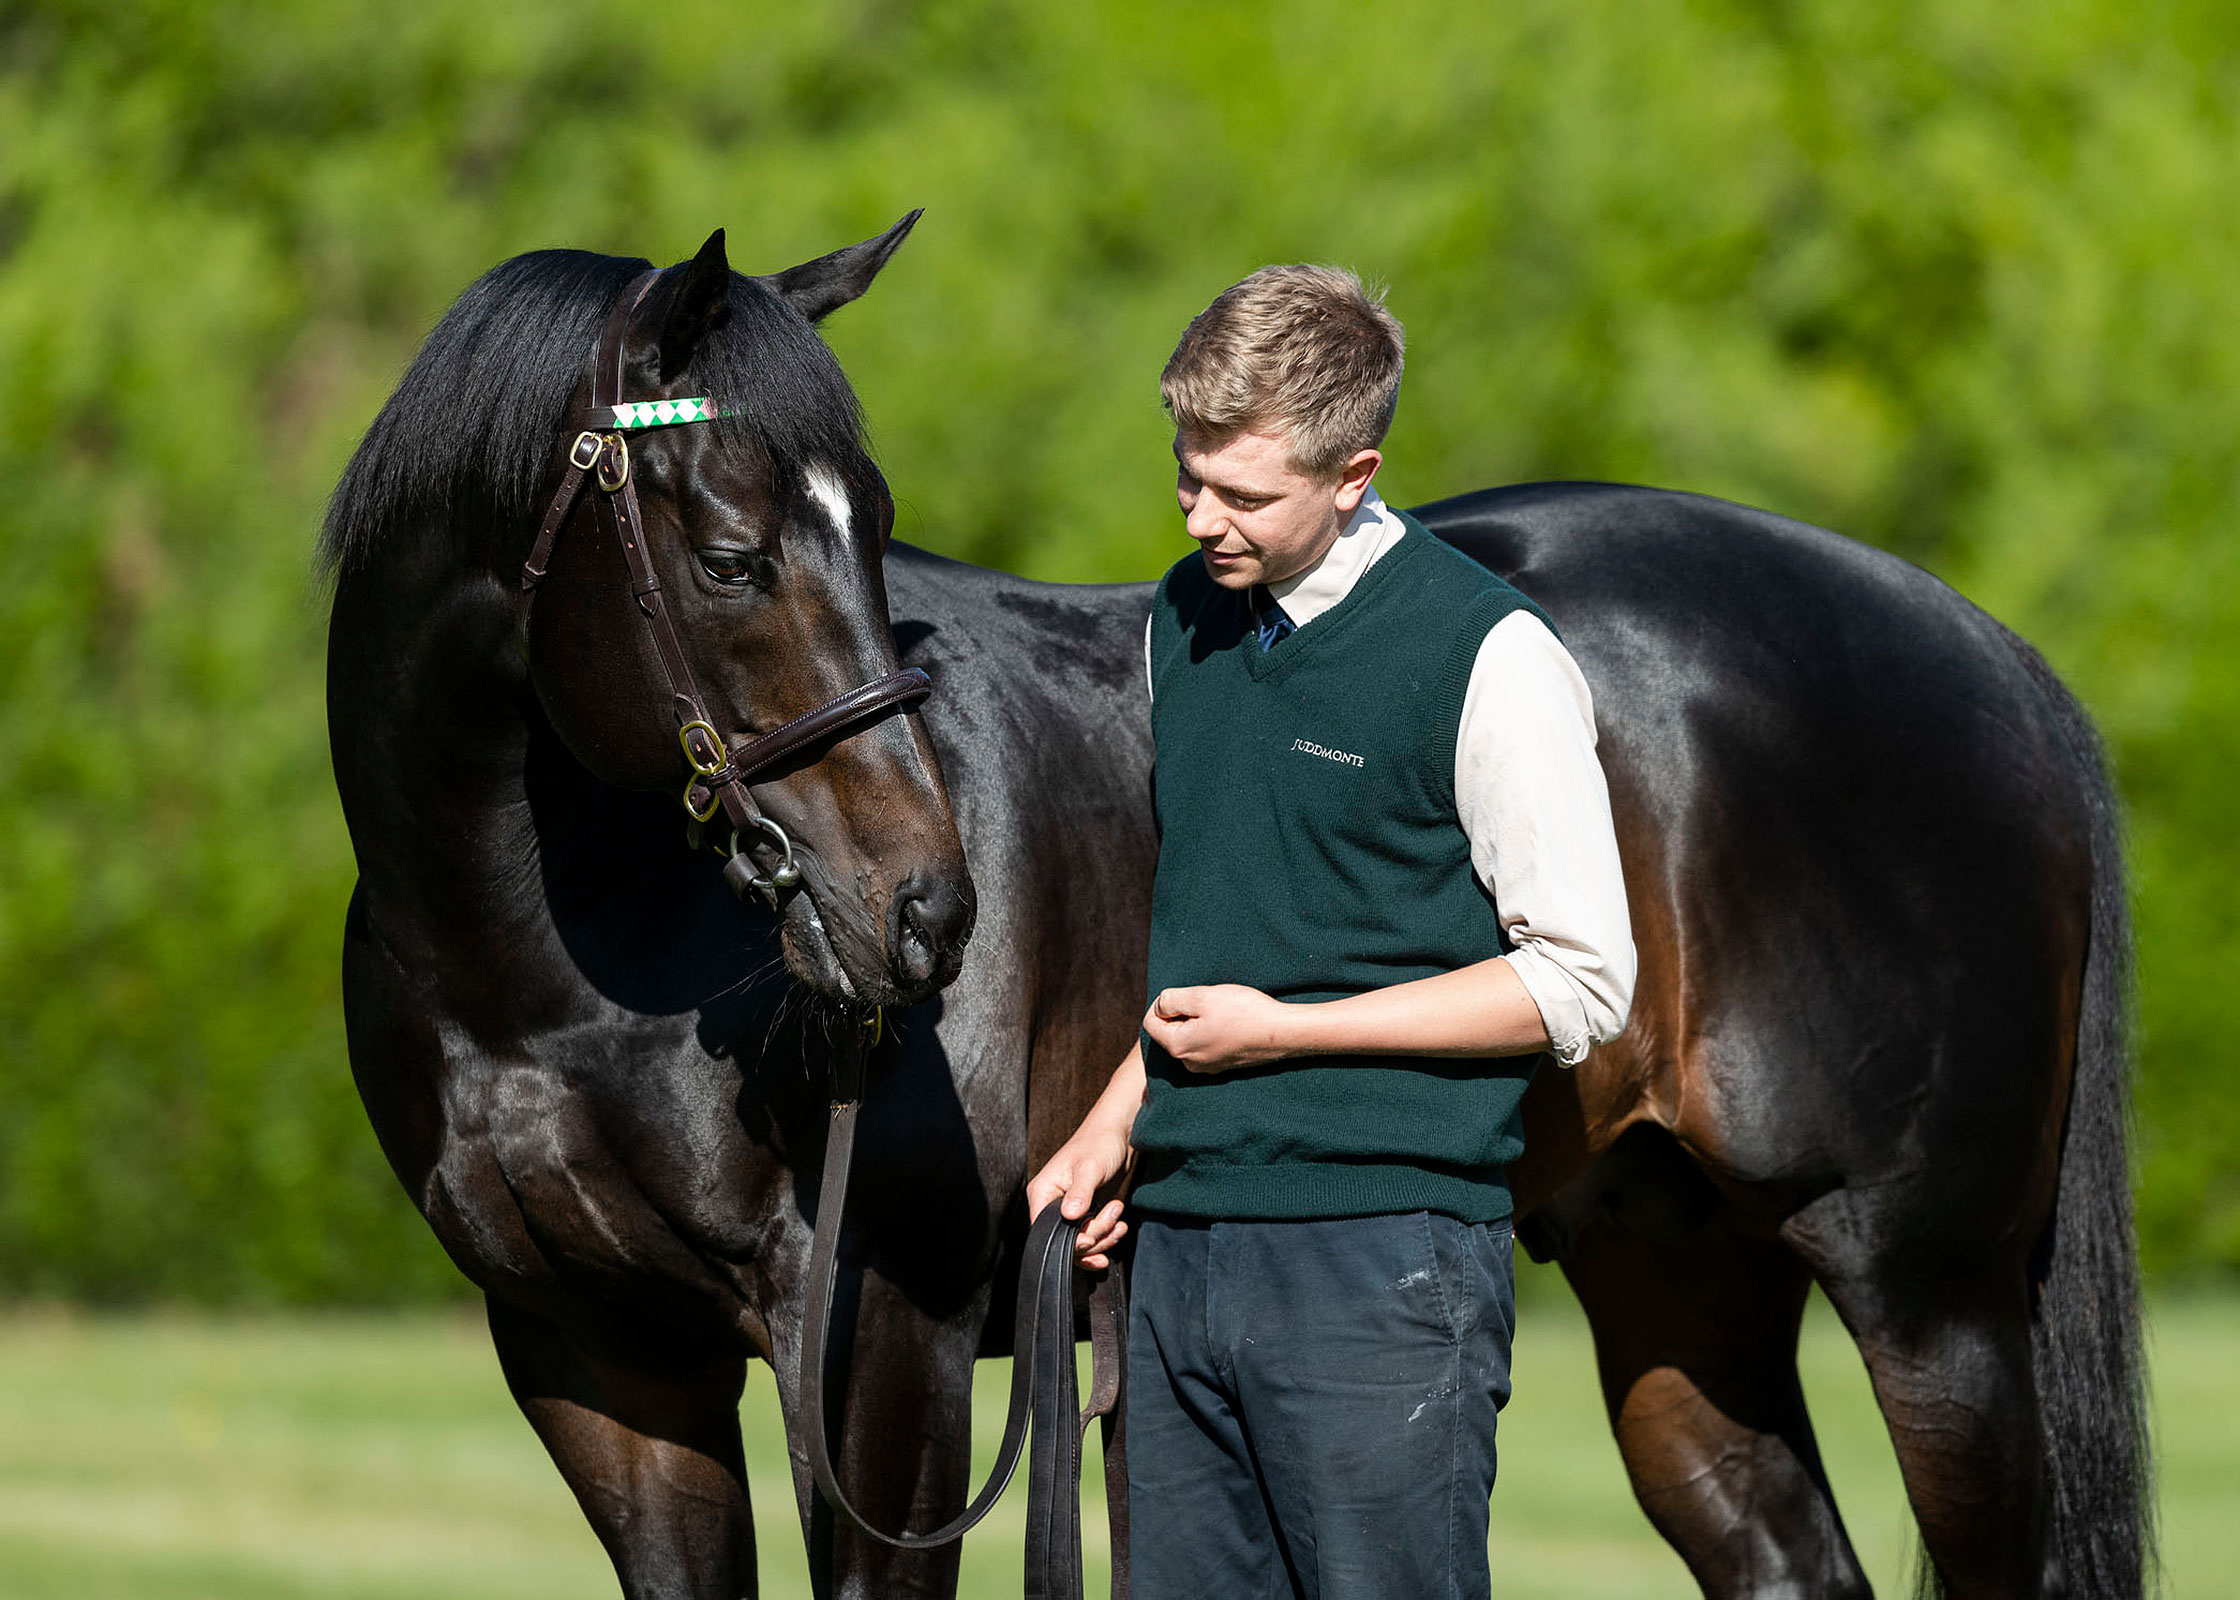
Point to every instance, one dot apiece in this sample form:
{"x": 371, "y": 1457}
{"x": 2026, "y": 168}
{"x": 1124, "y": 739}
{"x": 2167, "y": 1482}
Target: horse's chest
{"x": 633, "y": 1166}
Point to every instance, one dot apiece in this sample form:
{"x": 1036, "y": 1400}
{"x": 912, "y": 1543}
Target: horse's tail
{"x": 2085, "y": 1346}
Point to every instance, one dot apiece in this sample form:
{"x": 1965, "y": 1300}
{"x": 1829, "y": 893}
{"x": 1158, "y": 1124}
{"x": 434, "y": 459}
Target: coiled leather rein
{"x": 1044, "y": 1388}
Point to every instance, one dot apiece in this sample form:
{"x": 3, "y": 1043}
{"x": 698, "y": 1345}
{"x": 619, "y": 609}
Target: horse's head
{"x": 765, "y": 531}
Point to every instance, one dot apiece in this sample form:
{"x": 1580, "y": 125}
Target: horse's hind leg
{"x": 651, "y": 1450}
{"x": 1697, "y": 1342}
{"x": 1950, "y": 1362}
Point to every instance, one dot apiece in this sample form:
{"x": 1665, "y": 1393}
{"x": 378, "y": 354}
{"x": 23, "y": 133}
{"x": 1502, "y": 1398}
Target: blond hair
{"x": 1304, "y": 349}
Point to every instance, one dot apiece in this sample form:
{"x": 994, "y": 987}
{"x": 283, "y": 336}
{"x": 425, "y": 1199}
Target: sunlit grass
{"x": 378, "y": 1458}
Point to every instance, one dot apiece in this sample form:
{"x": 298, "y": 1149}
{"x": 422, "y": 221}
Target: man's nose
{"x": 1203, "y": 519}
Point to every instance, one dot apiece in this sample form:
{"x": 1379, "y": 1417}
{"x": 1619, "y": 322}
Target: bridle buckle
{"x": 614, "y": 463}
{"x": 708, "y": 761}
{"x": 701, "y": 813}
{"x": 585, "y": 451}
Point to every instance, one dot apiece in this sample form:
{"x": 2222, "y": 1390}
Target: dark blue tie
{"x": 1275, "y": 623}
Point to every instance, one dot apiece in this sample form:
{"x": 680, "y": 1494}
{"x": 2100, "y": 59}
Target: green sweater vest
{"x": 1309, "y": 847}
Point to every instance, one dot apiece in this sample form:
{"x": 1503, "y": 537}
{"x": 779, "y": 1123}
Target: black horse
{"x": 599, "y": 1075}
{"x": 1878, "y": 1038}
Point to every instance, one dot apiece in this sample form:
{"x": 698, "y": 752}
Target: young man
{"x": 1387, "y": 883}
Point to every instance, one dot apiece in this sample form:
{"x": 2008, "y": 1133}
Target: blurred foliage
{"x": 1951, "y": 277}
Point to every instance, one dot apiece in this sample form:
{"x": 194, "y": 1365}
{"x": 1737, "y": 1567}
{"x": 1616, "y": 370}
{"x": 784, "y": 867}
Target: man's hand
{"x": 1094, "y": 1160}
{"x": 1219, "y": 1027}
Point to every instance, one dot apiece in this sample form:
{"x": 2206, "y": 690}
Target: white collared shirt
{"x": 1529, "y": 793}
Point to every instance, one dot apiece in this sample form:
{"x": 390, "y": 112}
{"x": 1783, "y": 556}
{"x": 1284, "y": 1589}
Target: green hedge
{"x": 1946, "y": 276}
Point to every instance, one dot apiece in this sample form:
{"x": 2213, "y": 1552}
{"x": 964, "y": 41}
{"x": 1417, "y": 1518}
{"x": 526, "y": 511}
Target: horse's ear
{"x": 820, "y": 287}
{"x": 698, "y": 303}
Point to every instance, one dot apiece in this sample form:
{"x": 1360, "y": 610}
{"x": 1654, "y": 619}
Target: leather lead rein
{"x": 1043, "y": 1386}
{"x": 1044, "y": 1389}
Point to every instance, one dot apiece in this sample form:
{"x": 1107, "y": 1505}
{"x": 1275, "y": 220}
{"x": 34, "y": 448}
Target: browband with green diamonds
{"x": 652, "y": 413}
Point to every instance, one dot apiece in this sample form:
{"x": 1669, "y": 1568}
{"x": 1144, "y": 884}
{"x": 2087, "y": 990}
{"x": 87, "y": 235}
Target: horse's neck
{"x": 432, "y": 722}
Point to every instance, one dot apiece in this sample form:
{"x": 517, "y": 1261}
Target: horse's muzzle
{"x": 929, "y": 921}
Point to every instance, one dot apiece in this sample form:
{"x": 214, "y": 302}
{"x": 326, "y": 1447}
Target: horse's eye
{"x": 727, "y": 565}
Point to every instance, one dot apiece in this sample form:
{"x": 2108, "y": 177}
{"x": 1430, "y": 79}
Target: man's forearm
{"x": 1116, "y": 1108}
{"x": 1480, "y": 1010}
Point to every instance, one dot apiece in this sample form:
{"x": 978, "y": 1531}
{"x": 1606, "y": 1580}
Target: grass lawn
{"x": 378, "y": 1458}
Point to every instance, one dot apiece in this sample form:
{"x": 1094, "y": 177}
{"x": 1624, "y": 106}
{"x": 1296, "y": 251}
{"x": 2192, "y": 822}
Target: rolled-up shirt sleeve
{"x": 1531, "y": 796}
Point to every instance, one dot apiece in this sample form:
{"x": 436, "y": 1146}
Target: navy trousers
{"x": 1311, "y": 1406}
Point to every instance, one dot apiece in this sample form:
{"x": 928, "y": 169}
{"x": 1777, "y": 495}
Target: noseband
{"x": 598, "y": 454}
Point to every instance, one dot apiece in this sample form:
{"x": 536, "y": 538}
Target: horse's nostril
{"x": 917, "y": 944}
{"x": 932, "y": 920}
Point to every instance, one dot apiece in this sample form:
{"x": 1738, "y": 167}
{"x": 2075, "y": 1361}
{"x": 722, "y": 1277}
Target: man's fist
{"x": 1219, "y": 1027}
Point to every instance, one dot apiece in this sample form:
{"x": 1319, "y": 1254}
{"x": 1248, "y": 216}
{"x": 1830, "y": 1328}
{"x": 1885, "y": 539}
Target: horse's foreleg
{"x": 651, "y": 1449}
{"x": 1697, "y": 1345}
{"x": 900, "y": 1383}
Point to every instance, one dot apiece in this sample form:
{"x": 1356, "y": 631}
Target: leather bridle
{"x": 1043, "y": 1387}
{"x": 599, "y": 454}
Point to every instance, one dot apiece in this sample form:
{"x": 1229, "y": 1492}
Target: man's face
{"x": 1257, "y": 520}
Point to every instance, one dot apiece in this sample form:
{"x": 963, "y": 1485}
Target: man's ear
{"x": 820, "y": 287}
{"x": 1353, "y": 479}
{"x": 697, "y": 304}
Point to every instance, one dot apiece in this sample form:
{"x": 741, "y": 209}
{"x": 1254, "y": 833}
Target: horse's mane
{"x": 476, "y": 421}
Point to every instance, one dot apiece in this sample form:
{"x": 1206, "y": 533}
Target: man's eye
{"x": 729, "y": 566}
